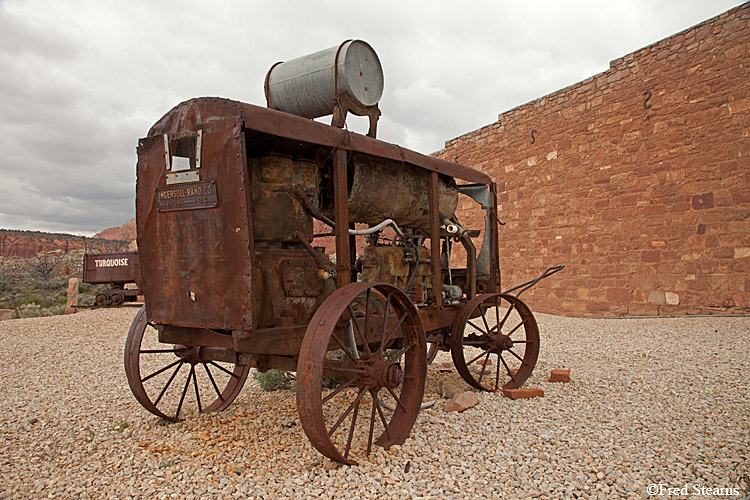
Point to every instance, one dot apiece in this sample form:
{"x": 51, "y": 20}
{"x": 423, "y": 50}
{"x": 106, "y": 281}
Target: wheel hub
{"x": 502, "y": 343}
{"x": 188, "y": 354}
{"x": 394, "y": 375}
{"x": 379, "y": 372}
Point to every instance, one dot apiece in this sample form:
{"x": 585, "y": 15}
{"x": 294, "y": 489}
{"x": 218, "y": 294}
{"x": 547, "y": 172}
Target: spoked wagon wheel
{"x": 495, "y": 342}
{"x": 160, "y": 383}
{"x": 346, "y": 384}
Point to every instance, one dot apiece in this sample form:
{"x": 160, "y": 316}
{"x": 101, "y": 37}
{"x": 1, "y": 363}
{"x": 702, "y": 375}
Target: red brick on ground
{"x": 523, "y": 393}
{"x": 559, "y": 376}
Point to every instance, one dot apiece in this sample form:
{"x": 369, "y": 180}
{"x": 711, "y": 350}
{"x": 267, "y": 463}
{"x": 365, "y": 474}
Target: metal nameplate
{"x": 186, "y": 196}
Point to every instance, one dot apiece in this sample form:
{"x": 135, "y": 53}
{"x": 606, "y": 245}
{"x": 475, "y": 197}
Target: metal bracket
{"x": 343, "y": 104}
{"x": 167, "y": 160}
{"x": 198, "y": 144}
{"x": 525, "y": 286}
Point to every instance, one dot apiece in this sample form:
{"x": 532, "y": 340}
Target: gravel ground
{"x": 651, "y": 401}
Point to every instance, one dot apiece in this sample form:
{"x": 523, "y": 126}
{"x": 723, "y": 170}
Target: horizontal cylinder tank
{"x": 382, "y": 189}
{"x": 306, "y": 86}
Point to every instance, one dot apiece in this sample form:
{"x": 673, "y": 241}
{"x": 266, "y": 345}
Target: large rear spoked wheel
{"x": 166, "y": 378}
{"x": 364, "y": 352}
{"x": 495, "y": 342}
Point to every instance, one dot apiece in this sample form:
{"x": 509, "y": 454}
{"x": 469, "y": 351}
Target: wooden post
{"x": 72, "y": 305}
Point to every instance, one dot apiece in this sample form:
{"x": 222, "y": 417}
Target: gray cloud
{"x": 82, "y": 81}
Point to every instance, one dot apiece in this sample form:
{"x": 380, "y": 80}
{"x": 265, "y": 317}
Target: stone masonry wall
{"x": 636, "y": 179}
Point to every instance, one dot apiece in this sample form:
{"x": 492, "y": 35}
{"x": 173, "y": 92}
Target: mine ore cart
{"x": 113, "y": 269}
{"x": 234, "y": 276}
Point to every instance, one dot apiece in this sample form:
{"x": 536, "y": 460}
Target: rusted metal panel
{"x": 300, "y": 278}
{"x": 119, "y": 268}
{"x": 196, "y": 263}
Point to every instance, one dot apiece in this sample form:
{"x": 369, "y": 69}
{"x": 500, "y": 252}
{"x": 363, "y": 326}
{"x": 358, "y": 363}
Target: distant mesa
{"x": 18, "y": 243}
{"x": 126, "y": 232}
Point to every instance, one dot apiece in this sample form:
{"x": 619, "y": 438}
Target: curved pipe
{"x": 372, "y": 229}
{"x": 471, "y": 265}
{"x": 324, "y": 265}
{"x": 302, "y": 196}
{"x": 471, "y": 258}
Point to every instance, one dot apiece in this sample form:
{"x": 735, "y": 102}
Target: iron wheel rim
{"x": 232, "y": 380}
{"x": 322, "y": 414}
{"x": 498, "y": 328}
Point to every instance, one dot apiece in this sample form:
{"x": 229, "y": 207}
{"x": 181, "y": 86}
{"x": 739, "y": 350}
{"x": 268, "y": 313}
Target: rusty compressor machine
{"x": 234, "y": 278}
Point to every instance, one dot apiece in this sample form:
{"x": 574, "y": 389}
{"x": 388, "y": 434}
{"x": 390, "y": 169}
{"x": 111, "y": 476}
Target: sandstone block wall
{"x": 636, "y": 179}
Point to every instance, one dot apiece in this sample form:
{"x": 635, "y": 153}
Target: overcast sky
{"x": 82, "y": 80}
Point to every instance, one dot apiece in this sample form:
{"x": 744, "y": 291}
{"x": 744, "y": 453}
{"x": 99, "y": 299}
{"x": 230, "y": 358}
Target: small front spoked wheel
{"x": 495, "y": 342}
{"x": 164, "y": 377}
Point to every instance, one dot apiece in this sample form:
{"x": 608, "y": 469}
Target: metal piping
{"x": 416, "y": 267}
{"x": 302, "y": 196}
{"x": 471, "y": 254}
{"x": 471, "y": 265}
{"x": 324, "y": 265}
{"x": 373, "y": 229}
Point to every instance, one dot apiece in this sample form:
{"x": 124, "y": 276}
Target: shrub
{"x": 35, "y": 299}
{"x": 274, "y": 380}
{"x": 29, "y": 311}
{"x": 45, "y": 264}
{"x": 55, "y": 310}
{"x": 56, "y": 283}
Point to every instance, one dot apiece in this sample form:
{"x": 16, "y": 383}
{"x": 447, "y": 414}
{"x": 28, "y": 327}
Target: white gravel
{"x": 651, "y": 401}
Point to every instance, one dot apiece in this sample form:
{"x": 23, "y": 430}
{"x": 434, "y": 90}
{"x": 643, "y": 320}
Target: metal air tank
{"x": 306, "y": 86}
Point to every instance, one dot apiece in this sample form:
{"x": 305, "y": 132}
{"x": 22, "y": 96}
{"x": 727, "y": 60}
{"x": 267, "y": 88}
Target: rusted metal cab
{"x": 234, "y": 278}
{"x": 116, "y": 270}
